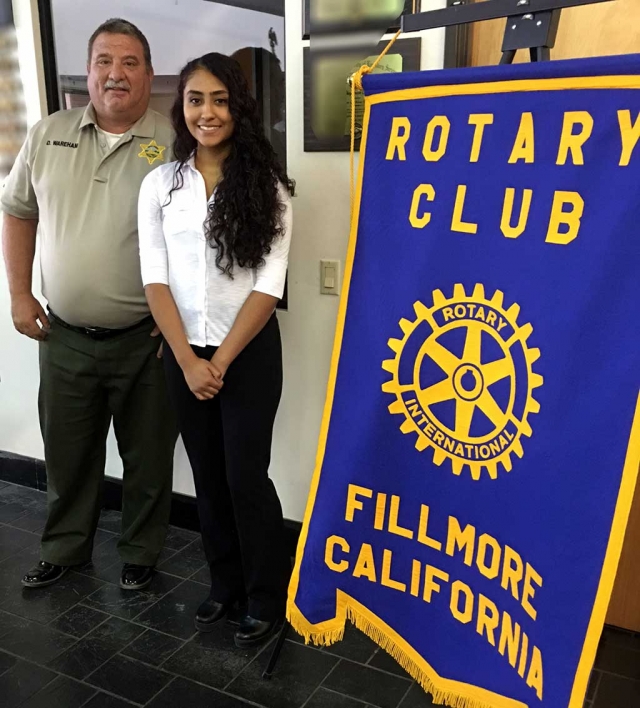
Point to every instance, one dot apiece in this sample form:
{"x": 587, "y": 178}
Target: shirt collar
{"x": 88, "y": 117}
{"x": 191, "y": 162}
{"x": 145, "y": 127}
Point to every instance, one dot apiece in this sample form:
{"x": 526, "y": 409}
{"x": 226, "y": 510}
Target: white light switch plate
{"x": 329, "y": 277}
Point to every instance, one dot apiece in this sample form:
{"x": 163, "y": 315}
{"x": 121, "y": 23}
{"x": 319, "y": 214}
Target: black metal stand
{"x": 461, "y": 13}
{"x": 532, "y": 25}
{"x": 275, "y": 654}
{"x": 533, "y": 31}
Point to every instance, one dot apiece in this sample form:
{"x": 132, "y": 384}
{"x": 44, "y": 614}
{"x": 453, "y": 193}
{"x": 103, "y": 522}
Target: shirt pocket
{"x": 179, "y": 214}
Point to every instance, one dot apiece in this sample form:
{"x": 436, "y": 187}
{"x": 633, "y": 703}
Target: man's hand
{"x": 156, "y": 333}
{"x": 26, "y": 312}
{"x": 203, "y": 379}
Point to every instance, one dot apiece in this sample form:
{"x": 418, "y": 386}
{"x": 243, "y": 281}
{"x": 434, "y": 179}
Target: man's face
{"x": 118, "y": 78}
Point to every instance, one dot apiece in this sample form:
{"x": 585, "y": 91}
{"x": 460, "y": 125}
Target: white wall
{"x": 177, "y": 30}
{"x": 321, "y": 216}
{"x": 321, "y": 230}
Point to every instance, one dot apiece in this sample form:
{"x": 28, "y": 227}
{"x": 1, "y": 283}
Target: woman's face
{"x": 206, "y": 109}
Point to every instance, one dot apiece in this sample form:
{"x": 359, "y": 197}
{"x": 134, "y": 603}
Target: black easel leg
{"x": 508, "y": 55}
{"x": 540, "y": 54}
{"x": 275, "y": 654}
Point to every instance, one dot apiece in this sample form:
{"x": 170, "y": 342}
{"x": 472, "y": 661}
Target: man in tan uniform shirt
{"x": 78, "y": 176}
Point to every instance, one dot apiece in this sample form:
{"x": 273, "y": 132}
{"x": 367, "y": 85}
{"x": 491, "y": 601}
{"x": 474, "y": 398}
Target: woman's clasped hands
{"x": 203, "y": 378}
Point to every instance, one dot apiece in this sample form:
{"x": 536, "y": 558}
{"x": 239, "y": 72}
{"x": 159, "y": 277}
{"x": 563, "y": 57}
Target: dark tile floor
{"x": 85, "y": 642}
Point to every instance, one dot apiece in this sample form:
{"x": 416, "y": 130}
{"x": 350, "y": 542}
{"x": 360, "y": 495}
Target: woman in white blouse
{"x": 215, "y": 228}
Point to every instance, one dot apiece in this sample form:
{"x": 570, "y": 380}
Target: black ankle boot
{"x": 254, "y": 631}
{"x": 209, "y": 614}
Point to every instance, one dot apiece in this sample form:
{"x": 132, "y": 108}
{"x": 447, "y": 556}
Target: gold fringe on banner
{"x": 443, "y": 691}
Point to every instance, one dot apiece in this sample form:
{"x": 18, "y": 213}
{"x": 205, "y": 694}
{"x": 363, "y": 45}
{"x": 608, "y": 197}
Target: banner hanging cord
{"x": 356, "y": 85}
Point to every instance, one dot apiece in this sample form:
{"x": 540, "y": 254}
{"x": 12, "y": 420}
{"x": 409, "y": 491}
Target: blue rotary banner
{"x": 481, "y": 437}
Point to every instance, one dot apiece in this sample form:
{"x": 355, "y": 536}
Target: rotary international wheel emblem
{"x": 463, "y": 380}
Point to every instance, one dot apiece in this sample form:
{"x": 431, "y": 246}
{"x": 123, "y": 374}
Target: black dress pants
{"x": 228, "y": 442}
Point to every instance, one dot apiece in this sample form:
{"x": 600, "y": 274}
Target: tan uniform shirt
{"x": 85, "y": 196}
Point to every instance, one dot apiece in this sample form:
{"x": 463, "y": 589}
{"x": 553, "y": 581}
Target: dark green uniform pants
{"x": 84, "y": 384}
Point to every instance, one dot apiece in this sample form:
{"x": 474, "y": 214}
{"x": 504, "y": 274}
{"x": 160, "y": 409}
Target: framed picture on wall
{"x": 457, "y": 36}
{"x": 330, "y": 109}
{"x": 346, "y": 22}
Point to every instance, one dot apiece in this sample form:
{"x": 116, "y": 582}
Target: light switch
{"x": 329, "y": 277}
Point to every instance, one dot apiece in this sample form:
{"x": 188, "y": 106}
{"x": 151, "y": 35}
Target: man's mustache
{"x": 122, "y": 85}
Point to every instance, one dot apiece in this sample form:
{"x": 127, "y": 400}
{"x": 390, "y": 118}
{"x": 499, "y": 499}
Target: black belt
{"x": 99, "y": 332}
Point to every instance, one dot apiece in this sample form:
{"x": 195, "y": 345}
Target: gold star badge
{"x": 152, "y": 151}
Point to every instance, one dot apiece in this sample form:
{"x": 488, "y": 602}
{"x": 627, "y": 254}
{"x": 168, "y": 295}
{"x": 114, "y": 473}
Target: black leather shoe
{"x": 136, "y": 577}
{"x": 44, "y": 574}
{"x": 209, "y": 614}
{"x": 253, "y": 631}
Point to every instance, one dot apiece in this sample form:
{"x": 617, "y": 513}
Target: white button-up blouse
{"x": 175, "y": 252}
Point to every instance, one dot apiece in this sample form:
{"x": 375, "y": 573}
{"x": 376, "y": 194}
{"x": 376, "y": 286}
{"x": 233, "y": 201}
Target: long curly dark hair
{"x": 246, "y": 215}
